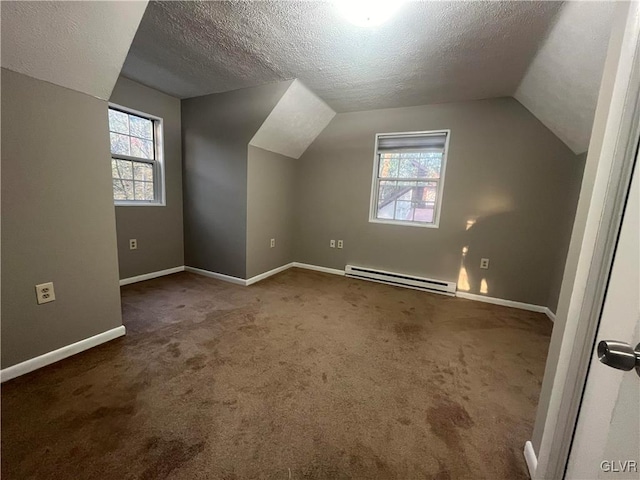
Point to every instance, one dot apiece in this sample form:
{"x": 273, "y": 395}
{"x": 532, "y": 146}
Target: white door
{"x": 606, "y": 442}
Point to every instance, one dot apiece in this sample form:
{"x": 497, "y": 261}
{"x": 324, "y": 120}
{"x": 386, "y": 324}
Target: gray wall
{"x": 158, "y": 229}
{"x": 216, "y": 131}
{"x": 566, "y": 214}
{"x": 270, "y": 210}
{"x": 505, "y": 170}
{"x": 58, "y": 221}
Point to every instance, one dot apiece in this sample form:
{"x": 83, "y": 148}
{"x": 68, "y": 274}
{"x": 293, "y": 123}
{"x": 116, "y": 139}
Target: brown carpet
{"x": 304, "y": 375}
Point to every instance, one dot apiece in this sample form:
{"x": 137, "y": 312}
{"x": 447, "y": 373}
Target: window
{"x": 408, "y": 178}
{"x": 136, "y": 157}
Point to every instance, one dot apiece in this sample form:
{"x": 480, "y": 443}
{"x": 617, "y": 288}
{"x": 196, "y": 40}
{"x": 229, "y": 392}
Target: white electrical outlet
{"x": 133, "y": 244}
{"x": 340, "y": 244}
{"x": 332, "y": 243}
{"x": 45, "y": 293}
{"x": 484, "y": 263}
{"x": 273, "y": 242}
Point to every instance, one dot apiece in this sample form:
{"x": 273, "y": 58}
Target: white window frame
{"x": 375, "y": 182}
{"x": 157, "y": 163}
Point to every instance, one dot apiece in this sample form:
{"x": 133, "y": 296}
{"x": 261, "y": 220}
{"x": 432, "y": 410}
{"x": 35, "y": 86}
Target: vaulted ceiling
{"x": 548, "y": 55}
{"x": 427, "y": 52}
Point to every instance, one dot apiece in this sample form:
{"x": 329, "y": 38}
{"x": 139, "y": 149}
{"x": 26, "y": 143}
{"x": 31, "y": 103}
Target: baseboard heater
{"x": 401, "y": 280}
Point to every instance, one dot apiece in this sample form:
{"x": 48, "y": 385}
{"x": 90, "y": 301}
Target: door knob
{"x": 619, "y": 355}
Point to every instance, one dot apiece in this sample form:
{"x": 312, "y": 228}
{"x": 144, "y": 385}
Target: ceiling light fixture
{"x": 368, "y": 13}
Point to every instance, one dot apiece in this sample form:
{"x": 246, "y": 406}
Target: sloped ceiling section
{"x": 77, "y": 45}
{"x": 562, "y": 83}
{"x": 295, "y": 122}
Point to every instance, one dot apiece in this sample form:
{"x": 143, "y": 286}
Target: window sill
{"x": 139, "y": 204}
{"x": 404, "y": 224}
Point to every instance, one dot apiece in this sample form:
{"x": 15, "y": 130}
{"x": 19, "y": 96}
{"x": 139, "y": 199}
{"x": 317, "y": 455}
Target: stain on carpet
{"x": 174, "y": 349}
{"x": 82, "y": 389}
{"x": 165, "y": 456}
{"x": 197, "y": 362}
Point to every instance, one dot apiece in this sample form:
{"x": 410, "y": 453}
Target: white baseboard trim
{"x": 60, "y": 354}
{"x": 149, "y": 276}
{"x": 333, "y": 271}
{"x": 262, "y": 276}
{"x": 504, "y": 303}
{"x": 217, "y": 276}
{"x": 550, "y": 314}
{"x": 530, "y": 458}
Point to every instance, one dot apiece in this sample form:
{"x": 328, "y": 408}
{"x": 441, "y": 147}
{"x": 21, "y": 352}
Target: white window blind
{"x": 419, "y": 142}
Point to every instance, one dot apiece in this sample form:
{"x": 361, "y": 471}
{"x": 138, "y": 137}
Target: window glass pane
{"x": 114, "y": 169}
{"x": 119, "y": 144}
{"x": 141, "y": 148}
{"x": 143, "y": 171}
{"x": 430, "y": 165}
{"x": 118, "y": 122}
{"x": 424, "y": 201}
{"x": 409, "y": 165}
{"x": 391, "y": 196}
{"x": 144, "y": 191}
{"x": 122, "y": 189}
{"x": 387, "y": 189}
{"x": 428, "y": 191}
{"x": 405, "y": 193}
{"x": 118, "y": 190}
{"x": 386, "y": 212}
{"x": 139, "y": 191}
{"x": 388, "y": 165}
{"x": 141, "y": 127}
{"x": 404, "y": 211}
{"x": 407, "y": 201}
{"x": 424, "y": 215}
{"x": 122, "y": 169}
{"x": 149, "y": 193}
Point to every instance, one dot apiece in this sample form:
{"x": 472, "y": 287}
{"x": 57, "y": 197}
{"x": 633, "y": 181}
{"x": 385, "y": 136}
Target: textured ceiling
{"x": 78, "y": 45}
{"x": 295, "y": 122}
{"x": 429, "y": 52}
{"x": 562, "y": 84}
